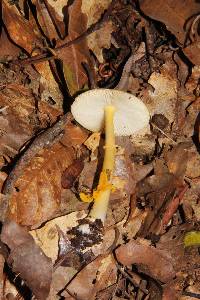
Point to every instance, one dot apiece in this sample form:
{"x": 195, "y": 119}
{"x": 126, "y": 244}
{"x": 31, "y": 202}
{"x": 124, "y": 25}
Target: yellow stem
{"x": 102, "y": 194}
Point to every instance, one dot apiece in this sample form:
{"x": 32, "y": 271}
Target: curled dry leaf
{"x": 37, "y": 193}
{"x": 27, "y": 259}
{"x": 149, "y": 260}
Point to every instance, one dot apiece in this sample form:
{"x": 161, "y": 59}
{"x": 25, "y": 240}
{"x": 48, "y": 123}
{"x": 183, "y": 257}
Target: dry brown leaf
{"x": 37, "y": 194}
{"x": 192, "y": 52}
{"x": 73, "y": 56}
{"x": 20, "y": 30}
{"x": 70, "y": 174}
{"x": 101, "y": 38}
{"x": 9, "y": 50}
{"x": 174, "y": 14}
{"x": 38, "y": 191}
{"x": 51, "y": 18}
{"x": 27, "y": 259}
{"x": 95, "y": 277}
{"x": 164, "y": 96}
{"x": 191, "y": 201}
{"x": 92, "y": 143}
{"x": 177, "y": 159}
{"x": 25, "y": 34}
{"x": 149, "y": 260}
{"x": 47, "y": 237}
{"x": 19, "y": 118}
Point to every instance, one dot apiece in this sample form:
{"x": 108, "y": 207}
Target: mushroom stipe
{"x": 123, "y": 114}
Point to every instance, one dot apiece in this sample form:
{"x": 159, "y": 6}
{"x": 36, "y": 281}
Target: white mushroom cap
{"x": 130, "y": 117}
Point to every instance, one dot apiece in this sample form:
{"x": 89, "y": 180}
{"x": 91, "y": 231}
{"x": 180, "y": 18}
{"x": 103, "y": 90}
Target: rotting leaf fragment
{"x": 27, "y": 259}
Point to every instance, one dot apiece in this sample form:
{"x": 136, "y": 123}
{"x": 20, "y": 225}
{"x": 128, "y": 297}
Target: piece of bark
{"x": 27, "y": 259}
{"x": 155, "y": 263}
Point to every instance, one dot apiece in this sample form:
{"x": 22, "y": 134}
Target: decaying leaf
{"x": 175, "y": 15}
{"x": 26, "y": 35}
{"x": 153, "y": 262}
{"x": 20, "y": 30}
{"x": 101, "y": 38}
{"x": 27, "y": 259}
{"x": 9, "y": 50}
{"x": 164, "y": 96}
{"x": 51, "y": 18}
{"x": 73, "y": 56}
{"x": 92, "y": 144}
{"x": 47, "y": 237}
{"x": 37, "y": 193}
{"x": 71, "y": 173}
{"x": 19, "y": 120}
{"x": 95, "y": 277}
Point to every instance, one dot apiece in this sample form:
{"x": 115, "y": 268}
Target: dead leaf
{"x": 101, "y": 38}
{"x": 73, "y": 56}
{"x": 71, "y": 173}
{"x": 51, "y": 18}
{"x": 174, "y": 14}
{"x": 37, "y": 194}
{"x": 19, "y": 119}
{"x": 47, "y": 237}
{"x": 95, "y": 277}
{"x": 20, "y": 30}
{"x": 149, "y": 260}
{"x": 26, "y": 35}
{"x": 177, "y": 159}
{"x": 164, "y": 96}
{"x": 27, "y": 259}
{"x": 191, "y": 52}
{"x": 9, "y": 50}
{"x": 92, "y": 143}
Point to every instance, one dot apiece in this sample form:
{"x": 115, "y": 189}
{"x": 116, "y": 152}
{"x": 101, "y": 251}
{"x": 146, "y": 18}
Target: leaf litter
{"x": 50, "y": 52}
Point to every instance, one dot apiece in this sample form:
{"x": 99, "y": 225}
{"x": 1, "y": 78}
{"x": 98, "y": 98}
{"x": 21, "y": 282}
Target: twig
{"x": 91, "y": 29}
{"x": 190, "y": 294}
{"x": 44, "y": 140}
{"x": 154, "y": 125}
{"x": 126, "y": 275}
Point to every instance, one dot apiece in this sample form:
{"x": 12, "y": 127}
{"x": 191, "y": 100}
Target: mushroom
{"x": 123, "y": 114}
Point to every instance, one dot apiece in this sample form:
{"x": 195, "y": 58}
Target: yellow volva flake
{"x": 86, "y": 197}
{"x": 102, "y": 186}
